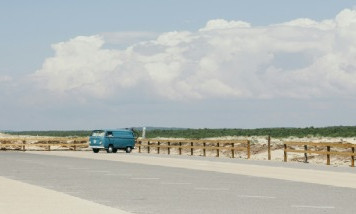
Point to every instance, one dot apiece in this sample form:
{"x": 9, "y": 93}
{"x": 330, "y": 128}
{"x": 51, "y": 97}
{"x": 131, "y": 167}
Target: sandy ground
{"x": 259, "y": 149}
{"x": 50, "y": 201}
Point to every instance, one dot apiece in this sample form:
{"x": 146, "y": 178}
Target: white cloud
{"x": 79, "y": 65}
{"x": 302, "y": 58}
{"x": 127, "y": 38}
{"x": 219, "y": 24}
{"x": 5, "y": 78}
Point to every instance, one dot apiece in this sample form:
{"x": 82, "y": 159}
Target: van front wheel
{"x": 95, "y": 150}
{"x": 128, "y": 149}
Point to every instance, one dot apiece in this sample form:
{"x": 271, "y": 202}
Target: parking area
{"x": 145, "y": 184}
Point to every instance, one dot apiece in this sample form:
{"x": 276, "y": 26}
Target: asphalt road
{"x": 141, "y": 188}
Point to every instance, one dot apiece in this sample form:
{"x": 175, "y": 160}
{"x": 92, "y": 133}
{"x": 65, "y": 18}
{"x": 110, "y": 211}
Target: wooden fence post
{"x": 305, "y": 154}
{"x": 148, "y": 147}
{"x": 180, "y": 148}
{"x": 353, "y": 157}
{"x": 285, "y": 152}
{"x": 218, "y": 150}
{"x": 75, "y": 146}
{"x": 139, "y": 146}
{"x": 191, "y": 149}
{"x": 269, "y": 147}
{"x": 232, "y": 150}
{"x": 328, "y": 156}
{"x": 23, "y": 145}
{"x": 169, "y": 148}
{"x": 158, "y": 148}
{"x": 204, "y": 150}
{"x": 248, "y": 149}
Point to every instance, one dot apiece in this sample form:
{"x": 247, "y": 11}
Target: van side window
{"x": 109, "y": 134}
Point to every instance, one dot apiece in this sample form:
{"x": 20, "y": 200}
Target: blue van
{"x": 112, "y": 140}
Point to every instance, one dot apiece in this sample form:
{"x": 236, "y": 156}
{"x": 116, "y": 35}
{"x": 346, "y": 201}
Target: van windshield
{"x": 98, "y": 133}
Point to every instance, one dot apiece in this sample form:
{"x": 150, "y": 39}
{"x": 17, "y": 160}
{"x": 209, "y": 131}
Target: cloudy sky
{"x": 89, "y": 64}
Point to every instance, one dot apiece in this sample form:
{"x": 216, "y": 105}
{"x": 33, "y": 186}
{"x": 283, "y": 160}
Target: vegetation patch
{"x": 334, "y": 131}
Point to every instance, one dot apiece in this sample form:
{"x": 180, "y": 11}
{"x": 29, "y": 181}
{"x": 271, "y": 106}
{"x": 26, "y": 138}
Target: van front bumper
{"x": 97, "y": 147}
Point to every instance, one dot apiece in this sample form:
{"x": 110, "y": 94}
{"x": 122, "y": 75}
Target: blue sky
{"x": 215, "y": 64}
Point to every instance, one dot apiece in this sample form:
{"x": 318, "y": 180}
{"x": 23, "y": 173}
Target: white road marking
{"x": 98, "y": 171}
{"x": 167, "y": 183}
{"x": 118, "y": 174}
{"x": 77, "y": 168}
{"x": 256, "y": 196}
{"x": 211, "y": 189}
{"x": 145, "y": 178}
{"x": 313, "y": 207}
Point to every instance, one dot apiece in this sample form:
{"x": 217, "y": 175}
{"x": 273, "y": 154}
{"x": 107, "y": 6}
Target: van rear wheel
{"x": 128, "y": 149}
{"x": 114, "y": 150}
{"x": 95, "y": 150}
{"x": 110, "y": 149}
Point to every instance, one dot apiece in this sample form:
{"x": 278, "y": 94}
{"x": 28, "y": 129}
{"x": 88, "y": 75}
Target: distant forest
{"x": 335, "y": 131}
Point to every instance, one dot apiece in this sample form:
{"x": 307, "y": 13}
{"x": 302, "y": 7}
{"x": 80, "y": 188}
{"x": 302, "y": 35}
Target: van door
{"x": 115, "y": 139}
{"x": 119, "y": 140}
{"x": 110, "y": 138}
{"x": 127, "y": 139}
